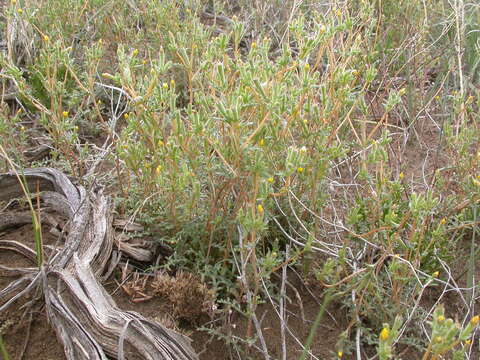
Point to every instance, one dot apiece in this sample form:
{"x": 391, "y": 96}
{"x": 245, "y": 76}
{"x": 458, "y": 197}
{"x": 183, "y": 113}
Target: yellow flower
{"x": 401, "y": 175}
{"x": 441, "y": 318}
{"x": 158, "y": 169}
{"x": 270, "y": 179}
{"x": 14, "y": 2}
{"x": 165, "y": 85}
{"x": 384, "y": 334}
{"x": 19, "y": 10}
{"x": 254, "y": 45}
{"x": 126, "y": 115}
{"x": 261, "y": 142}
{"x": 468, "y": 341}
{"x": 46, "y": 38}
{"x": 135, "y": 52}
{"x": 260, "y": 208}
{"x": 65, "y": 114}
{"x": 300, "y": 169}
{"x": 305, "y": 121}
{"x": 307, "y": 66}
{"x": 435, "y": 274}
{"x": 340, "y": 354}
{"x": 172, "y": 83}
{"x": 475, "y": 320}
{"x": 438, "y": 339}
{"x": 443, "y": 221}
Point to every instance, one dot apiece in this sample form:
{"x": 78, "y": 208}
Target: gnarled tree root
{"x": 85, "y": 318}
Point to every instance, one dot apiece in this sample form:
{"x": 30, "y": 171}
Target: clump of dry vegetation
{"x": 188, "y": 297}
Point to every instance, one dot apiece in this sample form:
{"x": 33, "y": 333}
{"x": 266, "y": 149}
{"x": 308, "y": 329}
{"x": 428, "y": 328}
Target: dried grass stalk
{"x": 20, "y": 40}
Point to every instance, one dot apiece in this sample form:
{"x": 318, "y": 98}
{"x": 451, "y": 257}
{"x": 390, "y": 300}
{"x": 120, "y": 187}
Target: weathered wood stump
{"x": 84, "y": 316}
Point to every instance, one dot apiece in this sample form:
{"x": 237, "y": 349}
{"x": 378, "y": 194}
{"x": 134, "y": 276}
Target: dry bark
{"x": 84, "y": 316}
